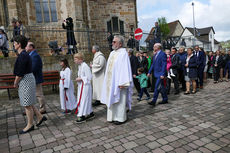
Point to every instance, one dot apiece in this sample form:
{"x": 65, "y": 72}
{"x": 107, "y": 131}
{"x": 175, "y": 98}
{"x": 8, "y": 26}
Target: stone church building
{"x": 92, "y": 20}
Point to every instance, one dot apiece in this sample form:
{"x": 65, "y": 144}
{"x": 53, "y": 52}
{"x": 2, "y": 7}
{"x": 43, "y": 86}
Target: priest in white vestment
{"x": 118, "y": 83}
{"x": 84, "y": 94}
{"x": 98, "y": 72}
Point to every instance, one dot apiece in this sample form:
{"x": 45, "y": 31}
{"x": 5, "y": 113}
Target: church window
{"x": 45, "y": 11}
{"x": 115, "y": 25}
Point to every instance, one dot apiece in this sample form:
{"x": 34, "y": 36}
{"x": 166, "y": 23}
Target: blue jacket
{"x": 36, "y": 66}
{"x": 201, "y": 59}
{"x": 182, "y": 59}
{"x": 192, "y": 65}
{"x": 159, "y": 64}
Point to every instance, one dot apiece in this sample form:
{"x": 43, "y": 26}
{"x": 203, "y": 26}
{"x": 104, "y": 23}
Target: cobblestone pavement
{"x": 189, "y": 123}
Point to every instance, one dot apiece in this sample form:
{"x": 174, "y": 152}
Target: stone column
{"x": 12, "y": 8}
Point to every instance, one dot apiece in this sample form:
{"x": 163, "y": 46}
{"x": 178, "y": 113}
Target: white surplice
{"x": 85, "y": 90}
{"x": 118, "y": 73}
{"x": 67, "y": 97}
{"x": 98, "y": 72}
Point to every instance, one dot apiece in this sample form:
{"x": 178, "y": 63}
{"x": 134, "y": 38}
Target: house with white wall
{"x": 204, "y": 38}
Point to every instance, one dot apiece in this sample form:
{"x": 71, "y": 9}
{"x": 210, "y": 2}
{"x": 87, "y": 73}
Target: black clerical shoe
{"x": 118, "y": 123}
{"x": 96, "y": 103}
{"x": 30, "y": 129}
{"x": 42, "y": 120}
{"x": 90, "y": 116}
{"x": 81, "y": 119}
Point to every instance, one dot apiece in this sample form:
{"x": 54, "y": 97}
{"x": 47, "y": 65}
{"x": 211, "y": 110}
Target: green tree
{"x": 162, "y": 22}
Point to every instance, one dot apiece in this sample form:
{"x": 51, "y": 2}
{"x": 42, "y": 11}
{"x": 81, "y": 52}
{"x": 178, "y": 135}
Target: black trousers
{"x": 216, "y": 73}
{"x": 175, "y": 82}
{"x": 181, "y": 79}
{"x": 200, "y": 74}
{"x": 137, "y": 85}
{"x": 72, "y": 50}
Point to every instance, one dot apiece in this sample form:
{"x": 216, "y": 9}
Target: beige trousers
{"x": 40, "y": 97}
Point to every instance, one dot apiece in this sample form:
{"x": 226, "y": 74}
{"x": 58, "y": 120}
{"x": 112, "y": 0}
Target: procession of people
{"x": 112, "y": 82}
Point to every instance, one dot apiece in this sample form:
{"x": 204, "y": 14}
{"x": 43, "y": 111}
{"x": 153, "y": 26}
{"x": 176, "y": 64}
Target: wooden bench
{"x": 50, "y": 78}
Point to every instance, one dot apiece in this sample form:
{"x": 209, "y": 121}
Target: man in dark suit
{"x": 201, "y": 65}
{"x": 175, "y": 66}
{"x": 159, "y": 68}
{"x": 37, "y": 71}
{"x": 134, "y": 67}
{"x": 131, "y": 42}
{"x": 157, "y": 33}
{"x": 143, "y": 62}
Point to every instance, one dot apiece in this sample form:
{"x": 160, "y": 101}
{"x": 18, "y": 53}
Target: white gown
{"x": 98, "y": 71}
{"x": 118, "y": 73}
{"x": 84, "y": 90}
{"x": 67, "y": 98}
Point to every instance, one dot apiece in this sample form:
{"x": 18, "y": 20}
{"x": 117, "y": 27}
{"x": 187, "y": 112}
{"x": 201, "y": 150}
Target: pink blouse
{"x": 169, "y": 63}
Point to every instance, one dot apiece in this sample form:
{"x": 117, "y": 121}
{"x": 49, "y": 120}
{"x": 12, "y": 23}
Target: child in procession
{"x": 143, "y": 80}
{"x": 67, "y": 98}
{"x": 84, "y": 95}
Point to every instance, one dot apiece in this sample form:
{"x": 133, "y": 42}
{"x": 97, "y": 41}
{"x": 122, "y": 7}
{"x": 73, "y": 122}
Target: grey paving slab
{"x": 189, "y": 123}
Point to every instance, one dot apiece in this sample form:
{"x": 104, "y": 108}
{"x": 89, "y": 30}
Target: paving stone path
{"x": 189, "y": 123}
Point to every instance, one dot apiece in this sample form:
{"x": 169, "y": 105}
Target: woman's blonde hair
{"x": 79, "y": 56}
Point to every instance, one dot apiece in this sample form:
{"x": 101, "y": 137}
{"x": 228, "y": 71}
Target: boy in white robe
{"x": 84, "y": 94}
{"x": 67, "y": 98}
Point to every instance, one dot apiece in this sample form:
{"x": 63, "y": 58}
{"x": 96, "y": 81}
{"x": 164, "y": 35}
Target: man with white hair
{"x": 159, "y": 68}
{"x": 98, "y": 71}
{"x": 118, "y": 83}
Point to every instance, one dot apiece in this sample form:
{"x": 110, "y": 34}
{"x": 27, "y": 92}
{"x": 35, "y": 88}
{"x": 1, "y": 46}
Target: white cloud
{"x": 142, "y": 4}
{"x": 214, "y": 13}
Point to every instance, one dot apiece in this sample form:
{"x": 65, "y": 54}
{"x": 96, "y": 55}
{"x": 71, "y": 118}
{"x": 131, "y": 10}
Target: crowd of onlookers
{"x": 18, "y": 29}
{"x": 192, "y": 66}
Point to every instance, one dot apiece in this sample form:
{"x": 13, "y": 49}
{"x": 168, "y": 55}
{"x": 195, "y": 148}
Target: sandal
{"x": 193, "y": 92}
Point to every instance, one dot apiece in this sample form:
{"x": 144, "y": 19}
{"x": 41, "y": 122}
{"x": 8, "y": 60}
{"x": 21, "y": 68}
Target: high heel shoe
{"x": 30, "y": 129}
{"x": 40, "y": 122}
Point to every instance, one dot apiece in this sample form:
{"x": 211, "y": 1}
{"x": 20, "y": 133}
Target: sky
{"x": 208, "y": 13}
